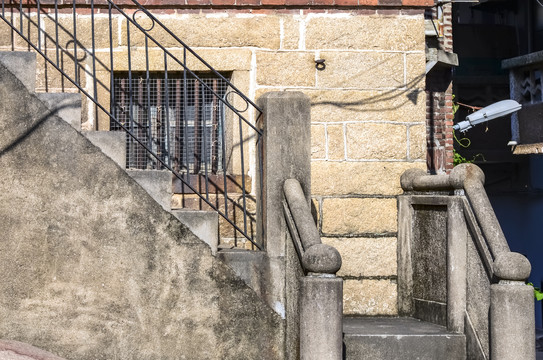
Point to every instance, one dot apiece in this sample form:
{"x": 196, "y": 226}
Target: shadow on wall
{"x": 410, "y": 91}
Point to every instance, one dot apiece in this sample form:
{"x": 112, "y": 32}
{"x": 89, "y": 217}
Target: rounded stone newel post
{"x": 321, "y": 305}
{"x": 512, "y": 322}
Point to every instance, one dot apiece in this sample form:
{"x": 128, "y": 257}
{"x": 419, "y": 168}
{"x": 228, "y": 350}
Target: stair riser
{"x": 405, "y": 347}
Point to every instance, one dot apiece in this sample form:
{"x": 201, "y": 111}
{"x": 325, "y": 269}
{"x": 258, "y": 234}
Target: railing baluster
{"x": 197, "y": 135}
{"x": 178, "y": 151}
{"x": 204, "y": 141}
{"x": 214, "y": 128}
{"x": 130, "y": 114}
{"x": 148, "y": 161}
{"x": 224, "y": 165}
{"x": 141, "y": 154}
{"x": 39, "y": 23}
{"x": 56, "y": 33}
{"x": 244, "y": 194}
{"x": 112, "y": 104}
{"x": 167, "y": 94}
{"x": 76, "y": 60}
{"x": 21, "y": 16}
{"x": 185, "y": 118}
{"x": 157, "y": 126}
{"x": 94, "y": 82}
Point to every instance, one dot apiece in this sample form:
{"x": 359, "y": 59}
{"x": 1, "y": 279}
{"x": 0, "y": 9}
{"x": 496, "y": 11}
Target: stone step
{"x": 65, "y": 105}
{"x": 248, "y": 265}
{"x": 204, "y": 224}
{"x": 112, "y": 143}
{"x": 22, "y": 64}
{"x": 400, "y": 338}
{"x": 157, "y": 183}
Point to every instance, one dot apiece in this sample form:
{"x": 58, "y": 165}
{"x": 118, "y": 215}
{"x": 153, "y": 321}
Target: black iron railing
{"x": 196, "y": 124}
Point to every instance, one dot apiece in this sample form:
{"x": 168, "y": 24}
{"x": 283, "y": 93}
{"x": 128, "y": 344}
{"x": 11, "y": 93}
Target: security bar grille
{"x": 182, "y": 122}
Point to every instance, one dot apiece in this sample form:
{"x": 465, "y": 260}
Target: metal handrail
{"x": 54, "y": 60}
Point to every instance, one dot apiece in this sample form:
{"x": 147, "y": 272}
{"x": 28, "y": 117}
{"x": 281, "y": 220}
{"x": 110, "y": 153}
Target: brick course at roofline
{"x": 252, "y": 3}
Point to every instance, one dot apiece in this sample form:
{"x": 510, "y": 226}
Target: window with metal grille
{"x": 179, "y": 118}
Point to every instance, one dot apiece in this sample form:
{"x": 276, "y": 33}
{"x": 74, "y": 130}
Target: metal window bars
{"x": 188, "y": 138}
{"x": 175, "y": 119}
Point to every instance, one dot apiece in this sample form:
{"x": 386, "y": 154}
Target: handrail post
{"x": 512, "y": 320}
{"x": 321, "y": 292}
{"x": 285, "y": 154}
{"x": 321, "y": 317}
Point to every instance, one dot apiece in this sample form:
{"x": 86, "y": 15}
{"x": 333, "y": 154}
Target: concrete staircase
{"x": 94, "y": 263}
{"x": 157, "y": 183}
{"x": 400, "y": 338}
{"x": 220, "y": 316}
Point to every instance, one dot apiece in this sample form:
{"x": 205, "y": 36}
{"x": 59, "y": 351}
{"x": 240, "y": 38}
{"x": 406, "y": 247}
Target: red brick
{"x": 192, "y": 11}
{"x": 388, "y": 12}
{"x": 364, "y": 11}
{"x": 264, "y": 11}
{"x": 322, "y": 2}
{"x": 428, "y": 3}
{"x": 347, "y": 2}
{"x": 223, "y": 2}
{"x": 390, "y": 2}
{"x": 288, "y": 11}
{"x": 248, "y": 2}
{"x": 412, "y": 12}
{"x": 273, "y": 2}
{"x": 297, "y": 2}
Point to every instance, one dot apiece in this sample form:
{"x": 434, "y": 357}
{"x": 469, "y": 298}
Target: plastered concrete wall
{"x": 368, "y": 112}
{"x": 93, "y": 268}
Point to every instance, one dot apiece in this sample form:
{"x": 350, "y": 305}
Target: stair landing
{"x": 400, "y": 338}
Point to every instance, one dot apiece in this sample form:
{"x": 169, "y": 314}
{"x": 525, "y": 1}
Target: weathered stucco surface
{"x": 93, "y": 268}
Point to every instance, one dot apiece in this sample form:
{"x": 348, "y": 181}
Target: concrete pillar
{"x": 405, "y": 265}
{"x": 457, "y": 266}
{"x": 512, "y": 323}
{"x": 285, "y": 151}
{"x": 321, "y": 318}
{"x": 286, "y": 154}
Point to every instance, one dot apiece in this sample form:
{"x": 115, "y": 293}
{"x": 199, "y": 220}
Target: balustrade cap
{"x": 512, "y": 266}
{"x": 408, "y": 177}
{"x": 321, "y": 258}
{"x": 463, "y": 173}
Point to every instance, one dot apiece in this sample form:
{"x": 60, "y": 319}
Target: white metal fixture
{"x": 490, "y": 112}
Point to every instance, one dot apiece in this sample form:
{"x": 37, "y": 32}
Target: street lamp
{"x": 490, "y": 112}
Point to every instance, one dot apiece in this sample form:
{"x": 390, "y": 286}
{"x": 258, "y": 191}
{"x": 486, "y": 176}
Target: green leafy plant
{"x": 464, "y": 142}
{"x": 538, "y": 294}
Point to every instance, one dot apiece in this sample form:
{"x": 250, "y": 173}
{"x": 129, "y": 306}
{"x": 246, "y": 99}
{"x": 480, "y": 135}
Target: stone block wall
{"x": 368, "y": 108}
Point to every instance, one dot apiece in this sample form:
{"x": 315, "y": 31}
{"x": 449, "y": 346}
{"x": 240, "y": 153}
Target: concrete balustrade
{"x": 321, "y": 292}
{"x": 302, "y": 270}
{"x": 473, "y": 231}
